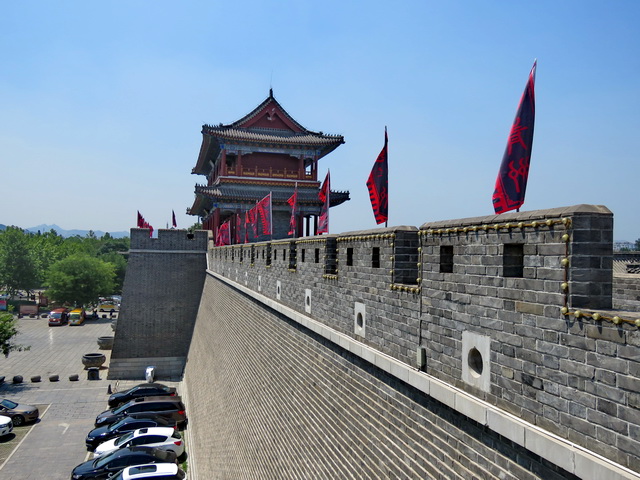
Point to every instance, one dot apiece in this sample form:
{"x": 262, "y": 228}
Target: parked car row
{"x": 138, "y": 437}
{"x": 19, "y": 413}
{"x": 14, "y": 414}
{"x": 62, "y": 316}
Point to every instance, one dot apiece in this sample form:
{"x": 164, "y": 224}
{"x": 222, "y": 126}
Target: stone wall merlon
{"x": 521, "y": 216}
{"x": 170, "y": 239}
{"x": 379, "y": 231}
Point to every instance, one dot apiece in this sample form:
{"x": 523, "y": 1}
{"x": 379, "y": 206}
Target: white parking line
{"x": 23, "y": 439}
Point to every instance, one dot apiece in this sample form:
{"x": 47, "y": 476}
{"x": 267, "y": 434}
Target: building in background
{"x": 266, "y": 151}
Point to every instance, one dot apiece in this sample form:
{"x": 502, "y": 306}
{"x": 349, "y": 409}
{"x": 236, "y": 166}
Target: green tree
{"x": 17, "y": 265}
{"x": 120, "y": 266}
{"x": 8, "y": 330}
{"x": 46, "y": 248}
{"x": 80, "y": 279}
{"x": 638, "y": 245}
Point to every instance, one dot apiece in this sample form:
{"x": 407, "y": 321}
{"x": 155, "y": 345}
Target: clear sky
{"x": 102, "y": 103}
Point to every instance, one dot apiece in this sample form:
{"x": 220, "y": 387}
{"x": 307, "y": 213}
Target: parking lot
{"x": 68, "y": 408}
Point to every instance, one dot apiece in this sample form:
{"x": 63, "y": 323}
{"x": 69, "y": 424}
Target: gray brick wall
{"x": 161, "y": 294}
{"x": 285, "y": 403}
{"x": 531, "y": 291}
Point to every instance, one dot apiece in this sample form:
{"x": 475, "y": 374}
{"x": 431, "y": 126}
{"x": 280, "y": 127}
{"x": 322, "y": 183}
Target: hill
{"x": 72, "y": 233}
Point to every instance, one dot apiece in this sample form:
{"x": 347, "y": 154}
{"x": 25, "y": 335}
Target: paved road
{"x": 56, "y": 443}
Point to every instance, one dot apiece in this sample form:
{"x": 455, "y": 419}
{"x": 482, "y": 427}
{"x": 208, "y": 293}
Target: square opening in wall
{"x": 513, "y": 260}
{"x": 446, "y": 258}
{"x": 375, "y": 257}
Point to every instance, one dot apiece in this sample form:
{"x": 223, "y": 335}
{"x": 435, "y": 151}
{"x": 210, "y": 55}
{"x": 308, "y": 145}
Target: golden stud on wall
{"x": 617, "y": 320}
{"x": 564, "y": 285}
{"x": 564, "y": 262}
{"x": 577, "y": 314}
{"x": 565, "y": 237}
{"x": 564, "y": 310}
{"x": 596, "y": 316}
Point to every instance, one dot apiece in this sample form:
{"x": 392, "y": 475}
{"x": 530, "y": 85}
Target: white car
{"x": 6, "y": 425}
{"x": 164, "y": 438}
{"x": 164, "y": 471}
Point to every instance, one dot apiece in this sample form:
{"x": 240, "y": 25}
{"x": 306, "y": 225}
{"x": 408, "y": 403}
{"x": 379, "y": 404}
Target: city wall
{"x": 161, "y": 293}
{"x": 475, "y": 348}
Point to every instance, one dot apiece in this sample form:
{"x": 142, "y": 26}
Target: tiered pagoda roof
{"x": 265, "y": 151}
{"x": 267, "y": 126}
{"x": 248, "y": 193}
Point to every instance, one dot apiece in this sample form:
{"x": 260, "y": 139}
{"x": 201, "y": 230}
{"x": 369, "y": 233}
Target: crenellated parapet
{"x": 512, "y": 313}
{"x": 169, "y": 240}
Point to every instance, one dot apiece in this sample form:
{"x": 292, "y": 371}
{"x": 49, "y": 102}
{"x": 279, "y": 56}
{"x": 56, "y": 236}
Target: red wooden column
{"x": 223, "y": 169}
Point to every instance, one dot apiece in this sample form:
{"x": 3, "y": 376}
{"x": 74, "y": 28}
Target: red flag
{"x": 511, "y": 183}
{"x": 252, "y": 219}
{"x": 378, "y": 184}
{"x": 248, "y": 216}
{"x": 173, "y": 219}
{"x": 264, "y": 208}
{"x": 238, "y": 228}
{"x": 293, "y": 202}
{"x": 140, "y": 220}
{"x": 224, "y": 235}
{"x": 325, "y": 190}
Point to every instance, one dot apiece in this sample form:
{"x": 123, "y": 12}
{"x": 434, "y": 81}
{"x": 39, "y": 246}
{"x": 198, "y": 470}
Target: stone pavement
{"x": 55, "y": 445}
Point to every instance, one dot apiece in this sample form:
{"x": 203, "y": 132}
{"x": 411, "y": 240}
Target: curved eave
{"x": 309, "y": 141}
{"x": 214, "y": 194}
{"x": 209, "y": 151}
{"x": 200, "y": 204}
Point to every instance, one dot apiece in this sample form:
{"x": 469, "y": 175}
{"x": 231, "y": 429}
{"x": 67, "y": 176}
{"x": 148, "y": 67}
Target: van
{"x": 165, "y": 407}
{"x": 77, "y": 316}
{"x": 58, "y": 316}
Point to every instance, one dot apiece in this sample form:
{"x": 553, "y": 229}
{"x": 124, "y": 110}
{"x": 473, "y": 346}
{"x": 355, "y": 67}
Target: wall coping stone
{"x": 144, "y": 250}
{"x": 512, "y": 216}
{"x": 571, "y": 457}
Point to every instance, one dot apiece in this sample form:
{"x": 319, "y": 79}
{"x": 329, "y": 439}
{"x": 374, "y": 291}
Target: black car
{"x": 166, "y": 407}
{"x": 142, "y": 390}
{"x": 101, "y": 467}
{"x": 127, "y": 424}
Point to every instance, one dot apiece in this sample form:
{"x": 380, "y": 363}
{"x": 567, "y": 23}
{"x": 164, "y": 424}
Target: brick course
{"x": 549, "y": 358}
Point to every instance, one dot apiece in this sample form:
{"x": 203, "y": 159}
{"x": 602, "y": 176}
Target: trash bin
{"x": 150, "y": 374}
{"x": 93, "y": 373}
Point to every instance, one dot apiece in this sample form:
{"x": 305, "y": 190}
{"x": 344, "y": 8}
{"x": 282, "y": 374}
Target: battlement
{"x": 515, "y": 310}
{"x": 169, "y": 240}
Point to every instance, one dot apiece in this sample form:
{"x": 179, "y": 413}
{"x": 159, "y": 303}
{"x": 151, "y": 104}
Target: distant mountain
{"x": 73, "y": 233}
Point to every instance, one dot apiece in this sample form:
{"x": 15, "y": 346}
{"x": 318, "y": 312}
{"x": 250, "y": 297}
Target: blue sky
{"x": 102, "y": 103}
